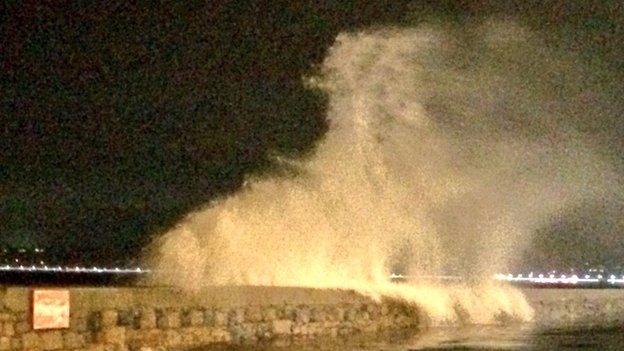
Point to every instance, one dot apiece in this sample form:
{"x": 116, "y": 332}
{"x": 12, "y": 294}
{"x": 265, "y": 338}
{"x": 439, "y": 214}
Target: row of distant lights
{"x": 562, "y": 279}
{"x": 116, "y": 270}
{"x": 37, "y": 250}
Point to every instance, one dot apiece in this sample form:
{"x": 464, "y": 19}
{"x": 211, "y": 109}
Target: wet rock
{"x": 317, "y": 314}
{"x": 287, "y": 312}
{"x": 336, "y": 313}
{"x": 5, "y": 343}
{"x": 241, "y": 333}
{"x": 236, "y": 316}
{"x": 172, "y": 338}
{"x": 168, "y": 319}
{"x": 16, "y": 343}
{"x": 24, "y": 327}
{"x": 282, "y": 326}
{"x": 7, "y": 329}
{"x": 73, "y": 340}
{"x": 196, "y": 317}
{"x": 94, "y": 321}
{"x": 112, "y": 336}
{"x": 253, "y": 314}
{"x": 269, "y": 314}
{"x": 127, "y": 318}
{"x": 351, "y": 314}
{"x": 220, "y": 318}
{"x": 51, "y": 340}
{"x": 109, "y": 318}
{"x": 147, "y": 318}
{"x": 264, "y": 331}
{"x": 31, "y": 341}
{"x": 302, "y": 315}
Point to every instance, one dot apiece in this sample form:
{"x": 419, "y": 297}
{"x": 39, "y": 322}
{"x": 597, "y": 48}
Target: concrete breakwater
{"x": 134, "y": 318}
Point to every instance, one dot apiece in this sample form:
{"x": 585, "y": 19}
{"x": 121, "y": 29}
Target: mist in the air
{"x": 448, "y": 149}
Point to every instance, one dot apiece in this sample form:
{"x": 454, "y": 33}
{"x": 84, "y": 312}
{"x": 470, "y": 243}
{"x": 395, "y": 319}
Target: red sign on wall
{"x": 50, "y": 309}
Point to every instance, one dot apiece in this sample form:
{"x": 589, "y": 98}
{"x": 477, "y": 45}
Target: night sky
{"x": 116, "y": 120}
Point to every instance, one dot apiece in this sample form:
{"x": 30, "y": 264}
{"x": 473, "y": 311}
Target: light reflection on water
{"x": 466, "y": 338}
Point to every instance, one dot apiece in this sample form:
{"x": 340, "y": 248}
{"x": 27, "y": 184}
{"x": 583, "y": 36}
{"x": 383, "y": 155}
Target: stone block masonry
{"x": 138, "y": 318}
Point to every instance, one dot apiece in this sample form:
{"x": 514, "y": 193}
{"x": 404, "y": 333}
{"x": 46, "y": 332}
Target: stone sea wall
{"x": 139, "y": 318}
{"x": 136, "y": 318}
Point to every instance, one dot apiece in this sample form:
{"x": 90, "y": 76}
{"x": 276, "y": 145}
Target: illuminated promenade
{"x": 534, "y": 280}
{"x": 531, "y": 279}
{"x": 75, "y": 269}
{"x": 573, "y": 280}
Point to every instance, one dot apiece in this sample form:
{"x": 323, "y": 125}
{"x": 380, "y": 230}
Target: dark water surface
{"x": 468, "y": 338}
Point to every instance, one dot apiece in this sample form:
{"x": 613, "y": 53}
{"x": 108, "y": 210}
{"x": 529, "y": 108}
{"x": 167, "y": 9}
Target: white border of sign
{"x": 52, "y": 311}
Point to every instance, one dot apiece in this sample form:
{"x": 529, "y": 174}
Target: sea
{"x": 518, "y": 337}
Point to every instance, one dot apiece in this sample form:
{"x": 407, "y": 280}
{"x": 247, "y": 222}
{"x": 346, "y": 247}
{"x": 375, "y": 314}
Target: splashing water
{"x": 445, "y": 151}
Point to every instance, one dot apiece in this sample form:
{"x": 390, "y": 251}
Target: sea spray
{"x": 447, "y": 148}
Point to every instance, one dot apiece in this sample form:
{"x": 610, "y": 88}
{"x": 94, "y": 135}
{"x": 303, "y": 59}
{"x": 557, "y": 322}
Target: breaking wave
{"x": 447, "y": 148}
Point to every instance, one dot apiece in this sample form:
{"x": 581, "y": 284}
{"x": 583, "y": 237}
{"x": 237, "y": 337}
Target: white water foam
{"x": 447, "y": 148}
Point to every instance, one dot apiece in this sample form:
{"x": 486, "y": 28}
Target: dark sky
{"x": 116, "y": 119}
